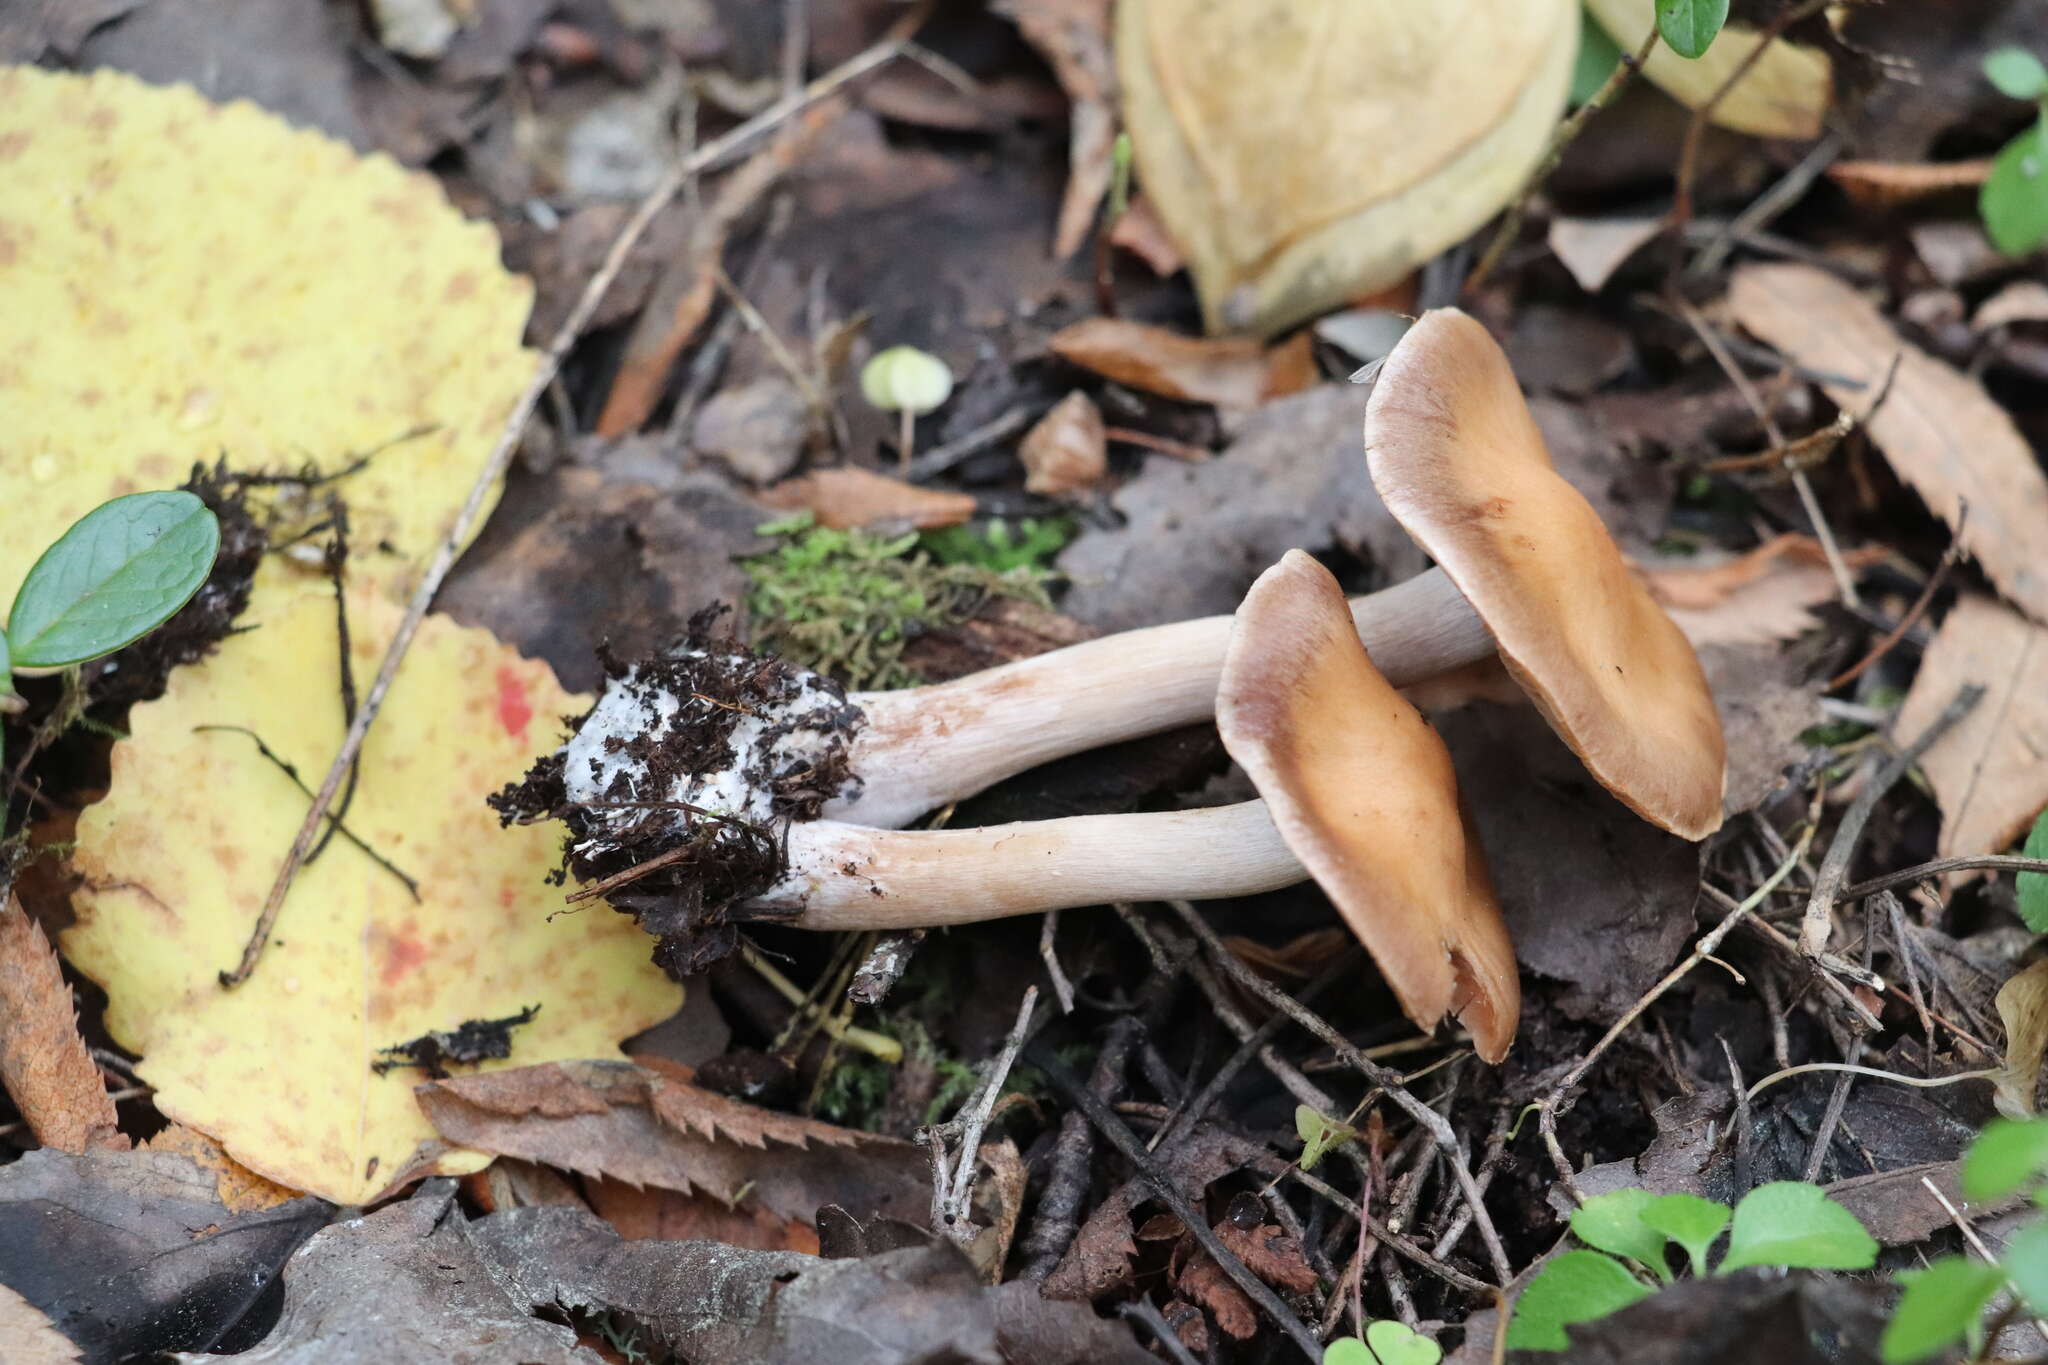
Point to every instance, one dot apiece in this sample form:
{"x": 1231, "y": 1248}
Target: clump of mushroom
{"x": 1526, "y": 574}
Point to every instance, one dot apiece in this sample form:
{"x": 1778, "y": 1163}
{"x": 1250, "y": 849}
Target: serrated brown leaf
{"x": 1269, "y": 1253}
{"x": 1204, "y": 1281}
{"x": 239, "y": 1189}
{"x": 43, "y": 1062}
{"x": 847, "y": 498}
{"x": 1937, "y": 427}
{"x": 1990, "y": 771}
{"x": 651, "y": 1214}
{"x": 628, "y": 1123}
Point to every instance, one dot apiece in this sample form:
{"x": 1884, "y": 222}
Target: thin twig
{"x": 953, "y": 1193}
{"x": 1438, "y": 1126}
{"x": 1048, "y": 951}
{"x": 1949, "y": 559}
{"x": 1781, "y": 196}
{"x": 1552, "y": 1104}
{"x": 884, "y": 966}
{"x": 1511, "y": 222}
{"x": 1170, "y": 1193}
{"x": 1940, "y": 867}
{"x": 1834, "y": 868}
{"x": 1817, "y": 1156}
{"x": 704, "y": 158}
{"x": 1142, "y": 1310}
{"x": 1970, "y": 1235}
{"x": 1896, "y": 1078}
{"x": 939, "y": 459}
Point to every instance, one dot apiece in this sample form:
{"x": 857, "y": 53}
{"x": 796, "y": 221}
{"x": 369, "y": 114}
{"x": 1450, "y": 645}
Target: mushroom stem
{"x": 926, "y": 746}
{"x": 855, "y": 877}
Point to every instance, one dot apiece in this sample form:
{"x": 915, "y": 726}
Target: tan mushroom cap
{"x": 1361, "y": 789}
{"x": 1457, "y": 458}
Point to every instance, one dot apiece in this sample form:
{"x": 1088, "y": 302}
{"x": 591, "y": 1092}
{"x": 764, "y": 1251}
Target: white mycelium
{"x": 601, "y": 750}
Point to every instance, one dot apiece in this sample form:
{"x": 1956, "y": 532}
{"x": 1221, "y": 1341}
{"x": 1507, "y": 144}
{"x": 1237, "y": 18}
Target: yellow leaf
{"x": 1302, "y": 154}
{"x": 1785, "y": 94}
{"x": 177, "y": 861}
{"x": 187, "y": 281}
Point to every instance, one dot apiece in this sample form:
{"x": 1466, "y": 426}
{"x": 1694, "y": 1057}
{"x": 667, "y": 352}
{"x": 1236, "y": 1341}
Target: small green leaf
{"x": 1395, "y": 1343}
{"x": 1319, "y": 1133}
{"x": 1347, "y": 1351}
{"x": 1577, "y": 1286}
{"x": 1688, "y": 1220}
{"x": 120, "y": 572}
{"x": 1792, "y": 1224}
{"x": 2033, "y": 886}
{"x": 2017, "y": 73}
{"x": 2005, "y": 1156}
{"x": 1598, "y": 55}
{"x": 1612, "y": 1223}
{"x": 2026, "y": 1261}
{"x": 1940, "y": 1306}
{"x": 2014, "y": 199}
{"x": 1690, "y": 26}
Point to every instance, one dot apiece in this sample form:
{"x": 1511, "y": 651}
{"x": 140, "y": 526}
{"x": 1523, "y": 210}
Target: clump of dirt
{"x": 679, "y": 785}
{"x": 471, "y": 1041}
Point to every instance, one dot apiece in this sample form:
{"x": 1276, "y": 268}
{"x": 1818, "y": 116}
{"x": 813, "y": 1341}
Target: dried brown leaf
{"x": 240, "y": 1189}
{"x": 2020, "y": 301}
{"x": 1269, "y": 1253}
{"x": 1229, "y": 372}
{"x": 650, "y": 1214}
{"x": 1592, "y": 249}
{"x": 43, "y": 1062}
{"x": 1989, "y": 772}
{"x": 1754, "y": 598}
{"x": 1067, "y": 450}
{"x": 1938, "y": 428}
{"x": 1883, "y": 184}
{"x": 2023, "y": 1008}
{"x": 848, "y": 497}
{"x": 31, "y": 1338}
{"x": 629, "y": 1123}
{"x": 1204, "y": 1281}
{"x": 1139, "y": 231}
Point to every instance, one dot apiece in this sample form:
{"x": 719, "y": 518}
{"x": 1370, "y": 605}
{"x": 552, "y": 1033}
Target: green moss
{"x": 847, "y": 602}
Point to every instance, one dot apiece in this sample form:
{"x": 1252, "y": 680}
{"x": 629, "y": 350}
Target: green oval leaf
{"x": 2026, "y": 1262}
{"x": 2006, "y": 1155}
{"x": 123, "y": 570}
{"x": 1395, "y": 1343}
{"x": 2017, "y": 73}
{"x": 1577, "y": 1286}
{"x": 1690, "y": 26}
{"x": 1598, "y": 56}
{"x": 1347, "y": 1351}
{"x": 1793, "y": 1224}
{"x": 2014, "y": 199}
{"x": 1613, "y": 1223}
{"x": 1688, "y": 1220}
{"x": 2033, "y": 886}
{"x": 1941, "y": 1304}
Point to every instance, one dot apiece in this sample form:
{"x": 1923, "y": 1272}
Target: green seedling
{"x": 1944, "y": 1303}
{"x": 1689, "y": 27}
{"x": 2014, "y": 199}
{"x": 1001, "y": 546}
{"x": 123, "y": 570}
{"x": 1788, "y": 1224}
{"x": 1386, "y": 1343}
{"x": 1319, "y": 1135}
{"x": 2033, "y": 886}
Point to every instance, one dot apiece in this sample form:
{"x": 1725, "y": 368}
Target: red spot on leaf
{"x": 514, "y": 710}
{"x": 402, "y": 953}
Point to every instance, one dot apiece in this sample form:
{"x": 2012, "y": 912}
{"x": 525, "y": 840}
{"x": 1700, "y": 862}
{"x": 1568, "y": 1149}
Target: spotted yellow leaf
{"x": 186, "y": 281}
{"x": 179, "y": 856}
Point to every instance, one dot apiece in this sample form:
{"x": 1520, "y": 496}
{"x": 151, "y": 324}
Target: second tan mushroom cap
{"x": 1459, "y": 461}
{"x": 1361, "y": 789}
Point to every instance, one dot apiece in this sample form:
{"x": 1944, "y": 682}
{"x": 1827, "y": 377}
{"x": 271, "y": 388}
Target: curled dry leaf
{"x": 1073, "y": 37}
{"x": 1990, "y": 771}
{"x": 849, "y": 497}
{"x": 1785, "y": 94}
{"x": 1230, "y": 373}
{"x": 1067, "y": 451}
{"x": 630, "y": 1123}
{"x": 1139, "y": 231}
{"x": 2023, "y": 1008}
{"x": 1203, "y": 1281}
{"x": 44, "y": 1066}
{"x": 1594, "y": 248}
{"x": 1303, "y": 154}
{"x": 261, "y": 292}
{"x": 1937, "y": 427}
{"x": 177, "y": 861}
{"x": 1766, "y": 594}
{"x": 2020, "y": 301}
